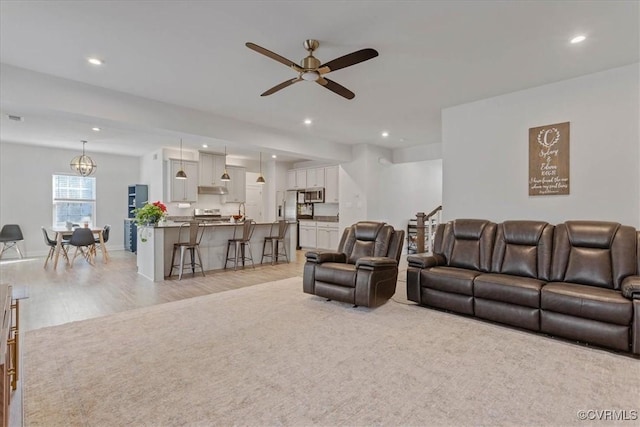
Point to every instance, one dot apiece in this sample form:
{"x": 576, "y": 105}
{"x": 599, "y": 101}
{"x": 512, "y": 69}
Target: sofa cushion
{"x": 336, "y": 273}
{"x": 523, "y": 248}
{"x": 589, "y": 302}
{"x": 449, "y": 279}
{"x": 468, "y": 243}
{"x": 510, "y": 289}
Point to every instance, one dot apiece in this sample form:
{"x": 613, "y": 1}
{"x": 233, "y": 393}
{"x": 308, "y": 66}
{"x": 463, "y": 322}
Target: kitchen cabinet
{"x": 183, "y": 190}
{"x": 138, "y": 197}
{"x": 331, "y": 193}
{"x": 315, "y": 178}
{"x": 308, "y": 235}
{"x": 237, "y": 186}
{"x": 211, "y": 168}
{"x": 327, "y": 235}
{"x": 297, "y": 179}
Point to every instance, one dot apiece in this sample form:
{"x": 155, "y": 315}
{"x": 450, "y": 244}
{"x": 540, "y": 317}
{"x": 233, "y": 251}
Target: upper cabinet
{"x": 331, "y": 193}
{"x": 297, "y": 179}
{"x": 183, "y": 190}
{"x": 237, "y": 186}
{"x": 211, "y": 169}
{"x": 315, "y": 178}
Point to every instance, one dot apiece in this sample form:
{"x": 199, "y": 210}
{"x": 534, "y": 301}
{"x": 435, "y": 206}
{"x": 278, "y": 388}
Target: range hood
{"x": 217, "y": 189}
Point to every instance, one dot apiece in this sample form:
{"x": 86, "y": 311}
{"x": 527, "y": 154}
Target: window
{"x": 74, "y": 200}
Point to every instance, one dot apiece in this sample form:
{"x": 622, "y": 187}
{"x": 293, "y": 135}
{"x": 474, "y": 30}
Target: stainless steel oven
{"x": 314, "y": 195}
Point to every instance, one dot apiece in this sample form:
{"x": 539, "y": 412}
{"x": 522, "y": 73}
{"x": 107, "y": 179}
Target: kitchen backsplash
{"x": 325, "y": 209}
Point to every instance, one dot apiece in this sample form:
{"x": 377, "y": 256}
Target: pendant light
{"x": 83, "y": 165}
{"x": 260, "y": 179}
{"x": 225, "y": 176}
{"x": 181, "y": 174}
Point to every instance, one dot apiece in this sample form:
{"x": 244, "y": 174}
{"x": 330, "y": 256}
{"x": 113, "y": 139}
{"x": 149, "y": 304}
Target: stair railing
{"x": 426, "y": 225}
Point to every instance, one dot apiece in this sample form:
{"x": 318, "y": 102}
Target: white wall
{"x": 485, "y": 151}
{"x": 372, "y": 188}
{"x": 26, "y": 190}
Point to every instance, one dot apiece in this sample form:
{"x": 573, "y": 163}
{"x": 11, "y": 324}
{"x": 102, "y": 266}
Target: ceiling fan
{"x": 310, "y": 68}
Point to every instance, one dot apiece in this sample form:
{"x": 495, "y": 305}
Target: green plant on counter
{"x": 150, "y": 214}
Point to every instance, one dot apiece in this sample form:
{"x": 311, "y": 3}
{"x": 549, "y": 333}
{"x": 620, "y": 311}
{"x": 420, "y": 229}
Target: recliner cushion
{"x": 589, "y": 302}
{"x": 336, "y": 273}
{"x": 449, "y": 279}
{"x": 517, "y": 290}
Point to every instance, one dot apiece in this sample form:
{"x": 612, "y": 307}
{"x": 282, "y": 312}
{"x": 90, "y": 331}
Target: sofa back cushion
{"x": 368, "y": 238}
{"x": 523, "y": 248}
{"x": 468, "y": 243}
{"x": 594, "y": 253}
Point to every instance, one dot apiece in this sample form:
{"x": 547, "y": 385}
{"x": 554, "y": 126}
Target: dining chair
{"x": 52, "y": 247}
{"x": 240, "y": 245}
{"x": 10, "y": 235}
{"x": 276, "y": 242}
{"x": 105, "y": 236}
{"x": 85, "y": 243}
{"x": 192, "y": 245}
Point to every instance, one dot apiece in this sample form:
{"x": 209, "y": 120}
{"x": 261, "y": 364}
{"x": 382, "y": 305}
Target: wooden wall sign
{"x": 549, "y": 160}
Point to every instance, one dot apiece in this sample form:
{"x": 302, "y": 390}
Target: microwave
{"x": 314, "y": 195}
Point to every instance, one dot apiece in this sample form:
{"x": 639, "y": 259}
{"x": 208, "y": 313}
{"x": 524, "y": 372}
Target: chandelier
{"x": 83, "y": 165}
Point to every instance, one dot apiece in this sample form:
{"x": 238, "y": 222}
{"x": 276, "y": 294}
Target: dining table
{"x": 62, "y": 232}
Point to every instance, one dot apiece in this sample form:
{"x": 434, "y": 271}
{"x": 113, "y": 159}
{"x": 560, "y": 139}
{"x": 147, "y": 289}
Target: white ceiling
{"x": 433, "y": 54}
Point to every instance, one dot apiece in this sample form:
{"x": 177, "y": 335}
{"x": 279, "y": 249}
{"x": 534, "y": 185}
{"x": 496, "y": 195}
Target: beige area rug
{"x": 272, "y": 355}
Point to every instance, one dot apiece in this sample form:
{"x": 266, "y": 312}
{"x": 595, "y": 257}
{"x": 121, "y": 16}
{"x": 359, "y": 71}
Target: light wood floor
{"x": 85, "y": 291}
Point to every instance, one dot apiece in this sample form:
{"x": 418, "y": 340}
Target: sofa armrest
{"x": 325, "y": 256}
{"x": 631, "y": 287}
{"x": 373, "y": 262}
{"x": 425, "y": 261}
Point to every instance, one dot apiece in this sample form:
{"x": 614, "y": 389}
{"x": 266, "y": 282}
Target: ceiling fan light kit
{"x": 311, "y": 69}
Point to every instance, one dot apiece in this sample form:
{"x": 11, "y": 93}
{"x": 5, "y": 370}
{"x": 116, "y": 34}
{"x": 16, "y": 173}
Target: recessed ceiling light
{"x": 205, "y": 146}
{"x": 95, "y": 61}
{"x": 578, "y": 39}
{"x": 273, "y": 156}
{"x": 307, "y": 122}
{"x": 385, "y": 134}
{"x": 96, "y": 129}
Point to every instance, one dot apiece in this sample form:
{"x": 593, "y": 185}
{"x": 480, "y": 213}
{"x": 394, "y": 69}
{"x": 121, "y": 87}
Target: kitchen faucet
{"x": 244, "y": 209}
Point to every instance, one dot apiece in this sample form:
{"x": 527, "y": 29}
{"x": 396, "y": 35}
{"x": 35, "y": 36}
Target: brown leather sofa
{"x": 578, "y": 280}
{"x": 363, "y": 271}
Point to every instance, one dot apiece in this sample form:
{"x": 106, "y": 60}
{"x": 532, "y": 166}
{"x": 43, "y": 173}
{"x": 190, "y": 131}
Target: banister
{"x": 423, "y": 219}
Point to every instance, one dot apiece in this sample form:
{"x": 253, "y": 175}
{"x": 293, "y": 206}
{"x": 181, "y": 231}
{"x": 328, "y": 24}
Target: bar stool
{"x": 275, "y": 240}
{"x": 240, "y": 243}
{"x": 192, "y": 245}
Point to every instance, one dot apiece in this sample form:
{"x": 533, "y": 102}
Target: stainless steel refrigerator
{"x": 290, "y": 209}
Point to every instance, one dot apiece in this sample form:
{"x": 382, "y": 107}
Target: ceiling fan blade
{"x": 348, "y": 60}
{"x": 336, "y": 88}
{"x": 281, "y": 86}
{"x": 275, "y": 56}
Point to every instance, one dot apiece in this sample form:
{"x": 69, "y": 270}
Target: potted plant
{"x": 148, "y": 216}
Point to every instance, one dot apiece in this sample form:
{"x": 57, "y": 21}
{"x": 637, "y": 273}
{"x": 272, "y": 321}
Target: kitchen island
{"x": 154, "y": 254}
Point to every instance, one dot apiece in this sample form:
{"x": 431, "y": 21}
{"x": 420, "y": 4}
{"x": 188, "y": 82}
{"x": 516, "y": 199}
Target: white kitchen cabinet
{"x": 237, "y": 186}
{"x": 327, "y": 235}
{"x": 301, "y": 178}
{"x": 315, "y": 178}
{"x": 297, "y": 179}
{"x": 183, "y": 190}
{"x": 308, "y": 235}
{"x": 331, "y": 193}
{"x": 211, "y": 168}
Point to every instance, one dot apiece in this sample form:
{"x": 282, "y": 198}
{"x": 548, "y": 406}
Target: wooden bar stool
{"x": 277, "y": 245}
{"x": 192, "y": 245}
{"x": 240, "y": 244}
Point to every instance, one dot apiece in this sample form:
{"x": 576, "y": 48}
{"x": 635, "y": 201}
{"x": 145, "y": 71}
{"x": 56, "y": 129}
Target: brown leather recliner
{"x": 363, "y": 271}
